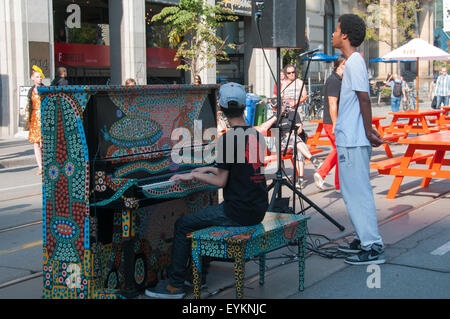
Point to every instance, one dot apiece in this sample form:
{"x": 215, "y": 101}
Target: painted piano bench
{"x": 241, "y": 244}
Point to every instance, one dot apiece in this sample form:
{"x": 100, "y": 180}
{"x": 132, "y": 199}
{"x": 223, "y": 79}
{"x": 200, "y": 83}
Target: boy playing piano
{"x": 238, "y": 171}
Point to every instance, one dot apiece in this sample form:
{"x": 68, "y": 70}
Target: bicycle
{"x": 410, "y": 103}
{"x": 314, "y": 109}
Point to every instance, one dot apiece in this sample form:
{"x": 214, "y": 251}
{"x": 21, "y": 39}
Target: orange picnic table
{"x": 388, "y": 137}
{"x": 321, "y": 138}
{"x": 438, "y": 143}
{"x": 444, "y": 120}
{"x": 418, "y": 122}
{"x": 318, "y": 138}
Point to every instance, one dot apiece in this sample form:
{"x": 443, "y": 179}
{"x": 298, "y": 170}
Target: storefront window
{"x": 81, "y": 36}
{"x": 233, "y": 69}
{"x": 161, "y": 67}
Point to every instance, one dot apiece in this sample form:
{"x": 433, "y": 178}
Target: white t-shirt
{"x": 349, "y": 129}
{"x": 291, "y": 92}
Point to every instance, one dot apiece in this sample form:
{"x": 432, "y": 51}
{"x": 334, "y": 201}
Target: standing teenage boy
{"x": 354, "y": 140}
{"x": 244, "y": 188}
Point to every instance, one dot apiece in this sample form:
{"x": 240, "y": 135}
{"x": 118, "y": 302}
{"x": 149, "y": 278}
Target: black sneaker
{"x": 374, "y": 256}
{"x": 353, "y": 248}
{"x": 164, "y": 290}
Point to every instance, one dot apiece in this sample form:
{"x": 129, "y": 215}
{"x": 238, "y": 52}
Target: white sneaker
{"x": 318, "y": 180}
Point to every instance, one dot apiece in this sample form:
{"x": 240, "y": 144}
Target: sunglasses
{"x": 290, "y": 72}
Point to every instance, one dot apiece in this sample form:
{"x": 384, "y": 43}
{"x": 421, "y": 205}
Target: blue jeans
{"x": 395, "y": 103}
{"x": 440, "y": 100}
{"x": 181, "y": 249}
{"x": 354, "y": 179}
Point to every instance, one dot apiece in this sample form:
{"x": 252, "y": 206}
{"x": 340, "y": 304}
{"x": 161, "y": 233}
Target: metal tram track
{"x": 12, "y": 228}
{"x": 248, "y": 280}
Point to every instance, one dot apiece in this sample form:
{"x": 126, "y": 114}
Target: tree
{"x": 382, "y": 25}
{"x": 193, "y": 27}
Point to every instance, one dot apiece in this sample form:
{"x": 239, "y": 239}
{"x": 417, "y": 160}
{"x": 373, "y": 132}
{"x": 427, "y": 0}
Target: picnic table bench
{"x": 444, "y": 120}
{"x": 318, "y": 138}
{"x": 437, "y": 143}
{"x": 388, "y": 137}
{"x": 418, "y": 122}
{"x": 241, "y": 244}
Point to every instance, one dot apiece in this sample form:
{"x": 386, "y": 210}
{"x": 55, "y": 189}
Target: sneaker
{"x": 318, "y": 180}
{"x": 374, "y": 256}
{"x": 300, "y": 183}
{"x": 315, "y": 161}
{"x": 353, "y": 248}
{"x": 164, "y": 290}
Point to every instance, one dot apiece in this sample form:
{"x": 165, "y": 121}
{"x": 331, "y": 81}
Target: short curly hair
{"x": 354, "y": 27}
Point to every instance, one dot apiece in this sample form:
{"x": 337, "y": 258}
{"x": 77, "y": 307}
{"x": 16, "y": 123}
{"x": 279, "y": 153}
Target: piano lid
{"x": 125, "y": 121}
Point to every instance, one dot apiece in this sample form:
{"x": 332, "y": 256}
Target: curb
{"x": 18, "y": 162}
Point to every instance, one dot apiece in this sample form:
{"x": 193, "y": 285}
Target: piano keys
{"x": 108, "y": 205}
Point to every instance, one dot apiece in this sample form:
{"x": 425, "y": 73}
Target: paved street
{"x": 415, "y": 227}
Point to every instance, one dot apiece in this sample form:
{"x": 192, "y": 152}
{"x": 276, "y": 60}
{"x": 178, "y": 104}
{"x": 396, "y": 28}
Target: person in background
{"x": 290, "y": 93}
{"x": 130, "y": 82}
{"x": 398, "y": 90}
{"x": 332, "y": 92}
{"x": 61, "y": 77}
{"x": 290, "y": 90}
{"x": 33, "y": 116}
{"x": 442, "y": 88}
{"x": 355, "y": 138}
{"x": 282, "y": 81}
{"x": 197, "y": 80}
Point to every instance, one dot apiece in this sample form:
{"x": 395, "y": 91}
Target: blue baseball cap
{"x": 232, "y": 92}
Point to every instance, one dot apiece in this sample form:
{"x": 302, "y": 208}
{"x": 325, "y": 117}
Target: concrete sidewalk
{"x": 415, "y": 227}
{"x": 16, "y": 152}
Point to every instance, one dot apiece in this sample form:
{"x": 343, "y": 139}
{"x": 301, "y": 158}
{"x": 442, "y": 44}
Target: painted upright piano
{"x": 108, "y": 207}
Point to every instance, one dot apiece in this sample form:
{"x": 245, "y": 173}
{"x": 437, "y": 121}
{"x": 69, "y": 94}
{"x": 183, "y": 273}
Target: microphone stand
{"x": 279, "y": 180}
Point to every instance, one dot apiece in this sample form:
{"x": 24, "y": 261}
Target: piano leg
{"x": 130, "y": 290}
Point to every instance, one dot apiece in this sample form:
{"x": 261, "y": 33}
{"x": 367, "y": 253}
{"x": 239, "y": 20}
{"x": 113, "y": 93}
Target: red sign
{"x": 161, "y": 58}
{"x": 91, "y": 55}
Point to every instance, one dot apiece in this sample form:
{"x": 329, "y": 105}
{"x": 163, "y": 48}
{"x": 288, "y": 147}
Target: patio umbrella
{"x": 322, "y": 57}
{"x": 416, "y": 50}
{"x": 377, "y": 60}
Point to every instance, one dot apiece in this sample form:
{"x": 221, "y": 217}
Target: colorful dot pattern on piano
{"x": 75, "y": 263}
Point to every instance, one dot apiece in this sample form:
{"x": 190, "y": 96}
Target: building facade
{"x": 108, "y": 41}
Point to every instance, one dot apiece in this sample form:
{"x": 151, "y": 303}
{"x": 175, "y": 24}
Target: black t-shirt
{"x": 245, "y": 195}
{"x": 332, "y": 88}
{"x": 59, "y": 82}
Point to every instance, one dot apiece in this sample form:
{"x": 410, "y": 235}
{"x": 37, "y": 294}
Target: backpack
{"x": 397, "y": 90}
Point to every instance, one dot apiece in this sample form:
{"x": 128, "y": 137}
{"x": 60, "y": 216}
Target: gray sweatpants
{"x": 354, "y": 179}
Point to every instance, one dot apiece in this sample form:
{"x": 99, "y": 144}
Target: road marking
{"x": 18, "y": 187}
{"x": 19, "y": 227}
{"x": 441, "y": 251}
{"x": 13, "y": 250}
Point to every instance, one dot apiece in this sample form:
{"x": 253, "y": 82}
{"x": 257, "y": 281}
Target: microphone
{"x": 319, "y": 48}
{"x": 259, "y": 8}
